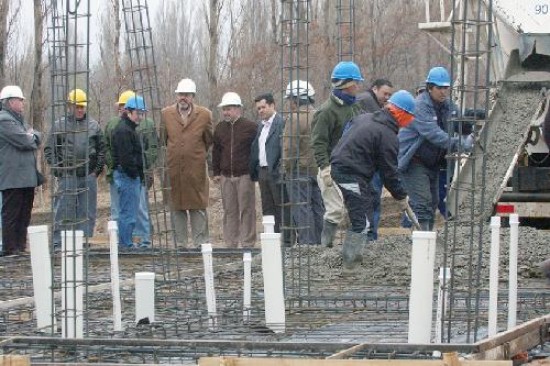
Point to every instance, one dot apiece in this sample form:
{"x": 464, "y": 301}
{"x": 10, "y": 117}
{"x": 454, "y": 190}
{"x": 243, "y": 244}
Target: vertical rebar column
{"x": 345, "y": 22}
{"x": 295, "y": 16}
{"x": 68, "y": 142}
{"x": 472, "y": 40}
{"x": 139, "y": 45}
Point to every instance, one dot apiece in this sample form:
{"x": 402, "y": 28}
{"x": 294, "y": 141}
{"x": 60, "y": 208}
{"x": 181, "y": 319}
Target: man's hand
{"x": 403, "y": 204}
{"x": 216, "y": 178}
{"x": 325, "y": 176}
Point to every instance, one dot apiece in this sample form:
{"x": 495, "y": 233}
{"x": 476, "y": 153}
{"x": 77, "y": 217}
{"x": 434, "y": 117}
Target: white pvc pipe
{"x": 493, "y": 275}
{"x": 422, "y": 286}
{"x": 42, "y": 277}
{"x": 272, "y": 269}
{"x": 247, "y": 288}
{"x": 145, "y": 296}
{"x": 112, "y": 229}
{"x": 206, "y": 250}
{"x": 444, "y": 278}
{"x": 72, "y": 303}
{"x": 513, "y": 271}
{"x": 269, "y": 223}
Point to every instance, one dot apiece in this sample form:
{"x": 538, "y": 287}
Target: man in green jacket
{"x": 149, "y": 141}
{"x": 327, "y": 126}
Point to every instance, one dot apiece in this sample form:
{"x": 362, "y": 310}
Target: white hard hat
{"x": 300, "y": 89}
{"x": 230, "y": 98}
{"x": 186, "y": 86}
{"x": 11, "y": 91}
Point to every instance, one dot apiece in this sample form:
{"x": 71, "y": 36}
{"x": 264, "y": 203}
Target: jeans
{"x": 143, "y": 223}
{"x": 0, "y": 222}
{"x": 442, "y": 205}
{"x": 75, "y": 205}
{"x": 129, "y": 197}
{"x": 306, "y": 208}
{"x": 377, "y": 185}
{"x": 422, "y": 186}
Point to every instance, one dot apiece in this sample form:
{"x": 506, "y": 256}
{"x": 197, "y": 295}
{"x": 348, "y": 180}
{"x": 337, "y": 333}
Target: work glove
{"x": 403, "y": 204}
{"x": 325, "y": 176}
{"x": 468, "y": 143}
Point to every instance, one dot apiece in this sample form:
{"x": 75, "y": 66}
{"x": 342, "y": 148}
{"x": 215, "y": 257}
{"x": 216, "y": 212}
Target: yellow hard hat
{"x": 78, "y": 97}
{"x": 125, "y": 95}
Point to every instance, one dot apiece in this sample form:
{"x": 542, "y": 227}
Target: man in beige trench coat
{"x": 187, "y": 130}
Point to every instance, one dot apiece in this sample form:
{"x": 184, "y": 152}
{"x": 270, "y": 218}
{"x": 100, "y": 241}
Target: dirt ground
{"x": 42, "y": 212}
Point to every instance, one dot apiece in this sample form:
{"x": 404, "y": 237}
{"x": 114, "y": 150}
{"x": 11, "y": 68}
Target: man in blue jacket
{"x": 423, "y": 146}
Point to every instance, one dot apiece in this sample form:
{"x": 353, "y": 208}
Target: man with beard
{"x": 187, "y": 131}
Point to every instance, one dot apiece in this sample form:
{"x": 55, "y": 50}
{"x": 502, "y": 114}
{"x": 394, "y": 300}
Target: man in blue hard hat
{"x": 423, "y": 146}
{"x": 128, "y": 167}
{"x": 369, "y": 147}
{"x": 327, "y": 126}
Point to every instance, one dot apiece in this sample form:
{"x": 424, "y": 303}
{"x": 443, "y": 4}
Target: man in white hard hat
{"x": 18, "y": 173}
{"x": 187, "y": 131}
{"x": 233, "y": 138}
{"x": 307, "y": 208}
{"x": 75, "y": 151}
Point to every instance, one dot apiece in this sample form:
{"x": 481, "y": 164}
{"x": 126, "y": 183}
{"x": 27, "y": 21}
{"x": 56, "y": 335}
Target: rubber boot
{"x": 352, "y": 250}
{"x": 424, "y": 225}
{"x": 328, "y": 233}
{"x": 545, "y": 267}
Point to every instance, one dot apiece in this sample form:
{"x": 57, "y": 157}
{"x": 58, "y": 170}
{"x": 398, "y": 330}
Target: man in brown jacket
{"x": 233, "y": 138}
{"x": 187, "y": 131}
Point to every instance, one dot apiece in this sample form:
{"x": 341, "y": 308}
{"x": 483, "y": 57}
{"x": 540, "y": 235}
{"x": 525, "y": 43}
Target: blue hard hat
{"x": 135, "y": 102}
{"x": 439, "y": 76}
{"x": 346, "y": 70}
{"x": 404, "y": 100}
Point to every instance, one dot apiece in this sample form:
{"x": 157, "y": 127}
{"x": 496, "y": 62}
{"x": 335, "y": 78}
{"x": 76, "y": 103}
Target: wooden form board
{"x": 258, "y": 361}
{"x": 8, "y": 360}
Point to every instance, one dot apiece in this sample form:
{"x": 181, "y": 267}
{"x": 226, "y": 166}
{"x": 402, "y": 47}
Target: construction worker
{"x": 127, "y": 161}
{"x": 423, "y": 146}
{"x": 75, "y": 151}
{"x": 233, "y": 139}
{"x": 265, "y": 161}
{"x": 187, "y": 131}
{"x": 376, "y": 96}
{"x": 18, "y": 174}
{"x": 307, "y": 207}
{"x": 371, "y": 101}
{"x": 369, "y": 146}
{"x": 328, "y": 123}
{"x": 149, "y": 145}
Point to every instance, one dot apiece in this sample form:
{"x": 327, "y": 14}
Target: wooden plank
{"x": 511, "y": 342}
{"x": 258, "y": 361}
{"x": 14, "y": 360}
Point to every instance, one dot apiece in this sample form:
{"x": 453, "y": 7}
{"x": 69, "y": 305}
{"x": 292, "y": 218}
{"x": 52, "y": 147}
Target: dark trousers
{"x": 16, "y": 217}
{"x": 358, "y": 195}
{"x": 306, "y": 207}
{"x": 273, "y": 202}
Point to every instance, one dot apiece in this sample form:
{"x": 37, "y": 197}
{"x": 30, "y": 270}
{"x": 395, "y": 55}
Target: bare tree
{"x": 37, "y": 93}
{"x": 4, "y": 32}
{"x": 213, "y": 33}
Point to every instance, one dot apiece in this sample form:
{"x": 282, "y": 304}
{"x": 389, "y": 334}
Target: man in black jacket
{"x": 128, "y": 168}
{"x": 369, "y": 146}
